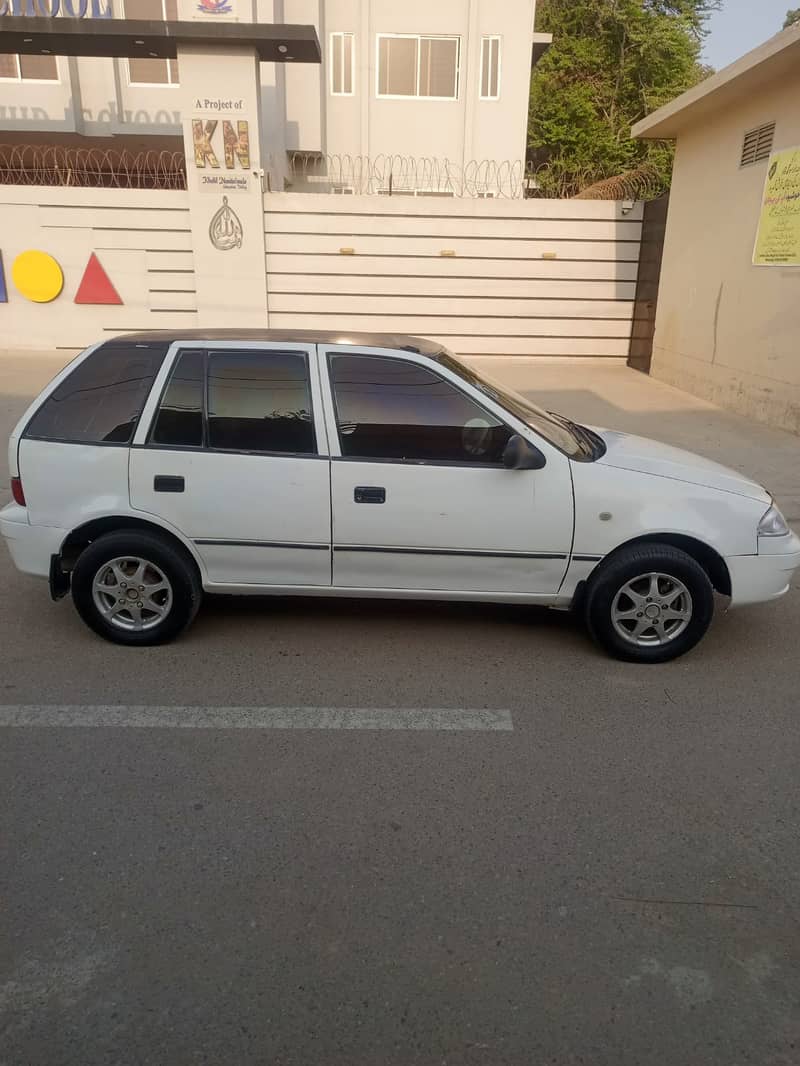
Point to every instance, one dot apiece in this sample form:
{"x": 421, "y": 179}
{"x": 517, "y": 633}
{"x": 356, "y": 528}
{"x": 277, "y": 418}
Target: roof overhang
{"x": 776, "y": 58}
{"x": 138, "y": 39}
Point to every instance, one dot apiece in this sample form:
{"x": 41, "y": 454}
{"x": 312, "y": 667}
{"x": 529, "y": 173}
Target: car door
{"x": 420, "y": 497}
{"x": 233, "y": 453}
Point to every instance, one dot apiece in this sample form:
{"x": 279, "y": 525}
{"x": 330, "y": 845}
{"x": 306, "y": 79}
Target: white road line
{"x": 369, "y": 718}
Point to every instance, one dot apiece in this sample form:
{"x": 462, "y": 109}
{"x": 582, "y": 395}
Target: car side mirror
{"x": 520, "y": 454}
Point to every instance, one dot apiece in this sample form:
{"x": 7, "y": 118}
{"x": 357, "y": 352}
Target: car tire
{"x": 136, "y": 588}
{"x": 649, "y": 603}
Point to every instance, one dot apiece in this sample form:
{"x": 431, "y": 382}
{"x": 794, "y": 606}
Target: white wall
{"x": 143, "y": 241}
{"x": 366, "y": 125}
{"x": 499, "y": 294}
{"x": 376, "y": 263}
{"x": 727, "y": 330}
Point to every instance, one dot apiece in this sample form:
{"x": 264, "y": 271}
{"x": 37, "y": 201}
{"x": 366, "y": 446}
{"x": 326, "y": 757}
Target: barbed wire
{"x": 399, "y": 175}
{"x": 645, "y": 182}
{"x": 33, "y": 164}
{"x": 387, "y": 175}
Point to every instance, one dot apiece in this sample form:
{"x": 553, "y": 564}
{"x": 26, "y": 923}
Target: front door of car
{"x": 233, "y": 454}
{"x": 420, "y": 496}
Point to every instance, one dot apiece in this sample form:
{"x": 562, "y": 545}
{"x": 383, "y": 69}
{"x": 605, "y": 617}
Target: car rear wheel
{"x": 649, "y": 604}
{"x": 135, "y": 588}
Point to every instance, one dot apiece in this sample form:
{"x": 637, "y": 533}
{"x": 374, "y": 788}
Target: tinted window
{"x": 392, "y": 409}
{"x": 179, "y": 422}
{"x": 101, "y": 400}
{"x": 259, "y": 401}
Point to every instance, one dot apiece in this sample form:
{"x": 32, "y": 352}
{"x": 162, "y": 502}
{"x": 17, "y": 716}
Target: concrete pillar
{"x": 220, "y": 102}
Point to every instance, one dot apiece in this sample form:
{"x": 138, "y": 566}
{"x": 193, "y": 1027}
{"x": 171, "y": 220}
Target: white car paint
{"x": 628, "y": 452}
{"x": 513, "y": 528}
{"x": 251, "y": 519}
{"x": 491, "y": 533}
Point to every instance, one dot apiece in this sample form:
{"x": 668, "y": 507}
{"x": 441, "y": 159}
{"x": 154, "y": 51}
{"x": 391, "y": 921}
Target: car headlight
{"x": 773, "y": 524}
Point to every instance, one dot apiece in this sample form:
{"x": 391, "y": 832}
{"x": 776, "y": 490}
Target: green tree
{"x": 792, "y": 17}
{"x": 611, "y": 63}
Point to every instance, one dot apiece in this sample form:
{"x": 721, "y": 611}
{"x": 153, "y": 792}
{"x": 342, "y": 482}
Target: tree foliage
{"x": 611, "y": 63}
{"x": 792, "y": 17}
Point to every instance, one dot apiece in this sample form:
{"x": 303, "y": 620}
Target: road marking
{"x": 369, "y": 718}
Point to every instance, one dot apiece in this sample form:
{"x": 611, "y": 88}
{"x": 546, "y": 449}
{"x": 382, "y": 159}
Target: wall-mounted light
{"x": 628, "y": 206}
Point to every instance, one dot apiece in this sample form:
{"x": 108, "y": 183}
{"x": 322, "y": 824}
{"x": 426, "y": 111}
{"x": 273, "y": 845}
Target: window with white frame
{"x": 342, "y": 64}
{"x": 152, "y": 71}
{"x": 414, "y": 66}
{"x": 490, "y": 68}
{"x": 28, "y": 68}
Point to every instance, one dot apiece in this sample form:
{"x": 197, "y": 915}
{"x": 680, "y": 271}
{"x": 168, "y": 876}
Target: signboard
{"x": 778, "y": 236}
{"x": 215, "y": 10}
{"x": 221, "y": 146}
{"x": 78, "y": 9}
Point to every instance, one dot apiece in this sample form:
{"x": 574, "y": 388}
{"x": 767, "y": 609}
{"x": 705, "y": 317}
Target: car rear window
{"x": 101, "y": 400}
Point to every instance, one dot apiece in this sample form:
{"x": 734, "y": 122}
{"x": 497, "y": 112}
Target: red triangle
{"x": 95, "y": 286}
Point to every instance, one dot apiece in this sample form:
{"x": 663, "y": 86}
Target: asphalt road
{"x": 611, "y": 882}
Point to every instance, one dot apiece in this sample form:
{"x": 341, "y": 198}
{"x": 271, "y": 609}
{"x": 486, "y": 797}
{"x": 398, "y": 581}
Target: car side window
{"x": 179, "y": 420}
{"x": 260, "y": 401}
{"x": 101, "y": 401}
{"x": 397, "y": 410}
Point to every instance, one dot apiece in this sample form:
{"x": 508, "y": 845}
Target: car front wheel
{"x": 649, "y": 603}
{"x": 135, "y": 588}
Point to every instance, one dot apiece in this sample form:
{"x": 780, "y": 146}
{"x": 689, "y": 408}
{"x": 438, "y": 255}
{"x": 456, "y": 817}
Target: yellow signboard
{"x": 778, "y": 237}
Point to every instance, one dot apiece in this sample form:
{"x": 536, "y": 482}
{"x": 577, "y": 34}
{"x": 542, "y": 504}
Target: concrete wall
{"x": 726, "y": 330}
{"x": 536, "y": 277}
{"x": 517, "y": 277}
{"x": 142, "y": 239}
{"x": 92, "y": 98}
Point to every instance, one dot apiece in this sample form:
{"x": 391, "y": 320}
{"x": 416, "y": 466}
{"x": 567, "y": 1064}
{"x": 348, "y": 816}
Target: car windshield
{"x": 575, "y": 441}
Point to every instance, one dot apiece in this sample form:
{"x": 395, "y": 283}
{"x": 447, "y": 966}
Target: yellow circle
{"x": 38, "y": 276}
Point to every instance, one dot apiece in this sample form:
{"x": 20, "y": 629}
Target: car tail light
{"x": 16, "y": 491}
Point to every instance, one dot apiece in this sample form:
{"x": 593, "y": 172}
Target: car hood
{"x": 628, "y": 452}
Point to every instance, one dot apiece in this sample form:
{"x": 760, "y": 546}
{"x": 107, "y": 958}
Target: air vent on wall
{"x": 757, "y": 144}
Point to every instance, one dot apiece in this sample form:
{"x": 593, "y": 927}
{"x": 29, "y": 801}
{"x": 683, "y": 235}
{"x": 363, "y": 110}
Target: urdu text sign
{"x": 778, "y": 236}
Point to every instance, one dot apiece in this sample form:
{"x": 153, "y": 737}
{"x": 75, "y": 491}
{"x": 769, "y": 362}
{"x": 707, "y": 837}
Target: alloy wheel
{"x": 132, "y": 593}
{"x": 651, "y": 610}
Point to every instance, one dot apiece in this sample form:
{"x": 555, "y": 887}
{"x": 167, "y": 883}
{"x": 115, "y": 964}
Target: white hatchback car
{"x": 156, "y": 466}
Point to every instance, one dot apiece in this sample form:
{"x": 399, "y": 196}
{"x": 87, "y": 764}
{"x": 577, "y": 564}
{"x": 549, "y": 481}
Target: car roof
{"x": 419, "y": 345}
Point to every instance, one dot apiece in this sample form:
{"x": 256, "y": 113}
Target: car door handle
{"x": 369, "y": 494}
{"x": 168, "y": 483}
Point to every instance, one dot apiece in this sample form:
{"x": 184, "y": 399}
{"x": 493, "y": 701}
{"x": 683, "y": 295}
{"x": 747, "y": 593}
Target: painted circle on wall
{"x": 37, "y": 276}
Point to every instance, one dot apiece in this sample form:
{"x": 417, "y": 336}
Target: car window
{"x": 567, "y": 436}
{"x": 260, "y": 401}
{"x": 179, "y": 421}
{"x": 395, "y": 409}
{"x": 101, "y": 400}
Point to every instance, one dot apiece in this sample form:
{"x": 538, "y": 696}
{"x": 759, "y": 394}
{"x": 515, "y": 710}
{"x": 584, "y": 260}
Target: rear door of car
{"x": 232, "y": 451}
